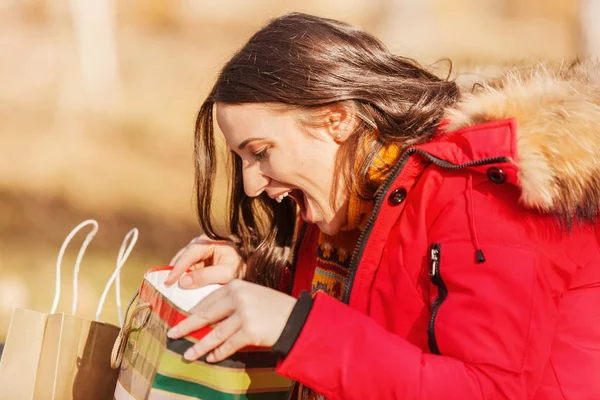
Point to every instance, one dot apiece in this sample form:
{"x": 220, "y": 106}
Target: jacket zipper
{"x": 436, "y": 279}
{"x": 380, "y": 196}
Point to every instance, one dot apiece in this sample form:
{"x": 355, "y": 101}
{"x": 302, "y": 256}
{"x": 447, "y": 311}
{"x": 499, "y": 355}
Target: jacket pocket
{"x": 481, "y": 313}
{"x": 436, "y": 278}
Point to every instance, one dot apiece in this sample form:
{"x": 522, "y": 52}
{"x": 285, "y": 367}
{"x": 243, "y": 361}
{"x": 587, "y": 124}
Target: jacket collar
{"x": 546, "y": 122}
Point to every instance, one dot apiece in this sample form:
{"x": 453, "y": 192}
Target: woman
{"x": 449, "y": 240}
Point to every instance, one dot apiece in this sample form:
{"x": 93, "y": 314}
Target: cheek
{"x": 280, "y": 167}
{"x": 304, "y": 163}
{"x": 291, "y": 159}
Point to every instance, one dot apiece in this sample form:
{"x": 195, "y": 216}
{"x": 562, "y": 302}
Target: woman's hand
{"x": 224, "y": 261}
{"x": 246, "y": 315}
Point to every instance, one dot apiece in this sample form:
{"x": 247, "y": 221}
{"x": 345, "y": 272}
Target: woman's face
{"x": 282, "y": 159}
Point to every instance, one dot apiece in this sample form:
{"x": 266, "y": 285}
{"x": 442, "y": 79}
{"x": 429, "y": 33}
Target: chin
{"x": 328, "y": 228}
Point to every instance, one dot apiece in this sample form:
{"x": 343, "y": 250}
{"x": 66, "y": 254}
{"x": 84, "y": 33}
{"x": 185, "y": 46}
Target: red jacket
{"x": 469, "y": 282}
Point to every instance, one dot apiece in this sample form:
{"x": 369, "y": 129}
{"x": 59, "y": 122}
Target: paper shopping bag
{"x": 57, "y": 356}
{"x": 152, "y": 366}
{"x": 60, "y": 356}
{"x": 20, "y": 358}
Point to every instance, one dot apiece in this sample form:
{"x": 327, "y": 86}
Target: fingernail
{"x": 172, "y": 334}
{"x": 190, "y": 354}
{"x": 186, "y": 281}
{"x": 210, "y": 358}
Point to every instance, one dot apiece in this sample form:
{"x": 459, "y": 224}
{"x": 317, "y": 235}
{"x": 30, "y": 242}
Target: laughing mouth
{"x": 282, "y": 196}
{"x": 297, "y": 195}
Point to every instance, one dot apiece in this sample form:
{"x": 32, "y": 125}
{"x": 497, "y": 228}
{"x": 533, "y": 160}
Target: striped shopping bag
{"x": 152, "y": 365}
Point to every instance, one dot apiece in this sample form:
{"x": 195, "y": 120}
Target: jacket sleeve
{"x": 493, "y": 329}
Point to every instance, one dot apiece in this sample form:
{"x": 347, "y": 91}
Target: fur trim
{"x": 558, "y": 139}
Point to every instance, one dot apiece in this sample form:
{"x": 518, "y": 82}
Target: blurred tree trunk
{"x": 589, "y": 13}
{"x": 94, "y": 24}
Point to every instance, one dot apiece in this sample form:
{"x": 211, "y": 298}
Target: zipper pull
{"x": 435, "y": 260}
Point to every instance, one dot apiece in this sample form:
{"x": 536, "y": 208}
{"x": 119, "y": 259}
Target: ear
{"x": 340, "y": 121}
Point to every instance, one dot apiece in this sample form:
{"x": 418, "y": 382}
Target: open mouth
{"x": 300, "y": 199}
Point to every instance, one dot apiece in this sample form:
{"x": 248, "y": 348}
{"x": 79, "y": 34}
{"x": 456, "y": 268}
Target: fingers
{"x": 244, "y": 313}
{"x": 220, "y": 274}
{"x": 213, "y": 308}
{"x": 179, "y": 253}
{"x": 215, "y": 339}
{"x": 196, "y": 240}
{"x": 189, "y": 256}
{"x": 236, "y": 342}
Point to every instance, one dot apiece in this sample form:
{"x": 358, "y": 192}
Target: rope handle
{"x": 126, "y": 247}
{"x": 116, "y": 356}
{"x": 61, "y": 254}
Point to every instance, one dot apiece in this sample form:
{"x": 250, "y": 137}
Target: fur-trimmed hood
{"x": 558, "y": 132}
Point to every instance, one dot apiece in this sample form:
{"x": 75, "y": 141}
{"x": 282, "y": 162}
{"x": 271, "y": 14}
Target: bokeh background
{"x": 98, "y": 100}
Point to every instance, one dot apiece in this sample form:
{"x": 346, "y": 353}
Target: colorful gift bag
{"x": 61, "y": 356}
{"x": 152, "y": 365}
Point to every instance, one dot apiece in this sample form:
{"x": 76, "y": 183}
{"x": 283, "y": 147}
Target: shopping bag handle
{"x": 116, "y": 356}
{"x": 124, "y": 252}
{"x": 61, "y": 254}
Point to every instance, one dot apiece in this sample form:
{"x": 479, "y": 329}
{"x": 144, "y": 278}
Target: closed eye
{"x": 260, "y": 155}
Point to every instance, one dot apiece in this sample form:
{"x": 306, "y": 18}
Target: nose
{"x": 254, "y": 180}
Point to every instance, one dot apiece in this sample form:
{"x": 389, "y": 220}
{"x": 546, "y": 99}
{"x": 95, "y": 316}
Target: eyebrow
{"x": 245, "y": 142}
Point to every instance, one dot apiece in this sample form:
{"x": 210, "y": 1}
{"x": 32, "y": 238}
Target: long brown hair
{"x": 307, "y": 62}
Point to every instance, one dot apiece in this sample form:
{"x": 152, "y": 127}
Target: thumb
{"x": 220, "y": 274}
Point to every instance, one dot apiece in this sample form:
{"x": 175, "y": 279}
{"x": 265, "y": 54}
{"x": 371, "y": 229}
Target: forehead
{"x": 227, "y": 111}
{"x": 240, "y": 121}
{"x": 236, "y": 118}
{"x": 238, "y": 114}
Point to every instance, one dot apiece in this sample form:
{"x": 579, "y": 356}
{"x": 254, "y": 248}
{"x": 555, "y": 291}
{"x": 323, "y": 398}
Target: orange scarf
{"x": 334, "y": 252}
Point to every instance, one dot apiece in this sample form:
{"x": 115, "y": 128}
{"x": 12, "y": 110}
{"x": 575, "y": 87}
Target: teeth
{"x": 280, "y": 198}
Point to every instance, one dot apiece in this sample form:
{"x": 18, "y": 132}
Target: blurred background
{"x": 98, "y": 101}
